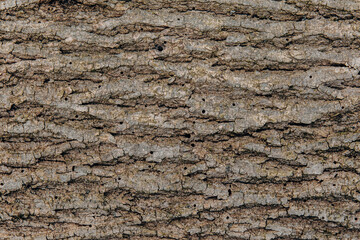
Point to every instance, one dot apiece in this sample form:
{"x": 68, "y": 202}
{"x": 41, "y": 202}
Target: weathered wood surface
{"x": 164, "y": 119}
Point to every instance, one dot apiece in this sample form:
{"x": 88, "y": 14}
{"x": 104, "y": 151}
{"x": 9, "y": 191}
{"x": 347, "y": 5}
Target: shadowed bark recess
{"x": 179, "y": 119}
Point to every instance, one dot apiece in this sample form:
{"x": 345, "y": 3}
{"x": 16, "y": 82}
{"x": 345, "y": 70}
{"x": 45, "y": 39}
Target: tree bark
{"x": 179, "y": 119}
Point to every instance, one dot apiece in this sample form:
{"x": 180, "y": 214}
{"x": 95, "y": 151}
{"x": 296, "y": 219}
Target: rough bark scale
{"x": 144, "y": 119}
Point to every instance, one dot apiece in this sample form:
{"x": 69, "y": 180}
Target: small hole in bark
{"x": 145, "y": 105}
{"x": 56, "y": 197}
{"x": 203, "y": 99}
{"x": 178, "y": 19}
{"x": 193, "y": 145}
{"x": 70, "y": 62}
{"x": 185, "y": 168}
{"x": 187, "y": 135}
{"x": 160, "y": 48}
{"x": 76, "y": 116}
{"x": 334, "y": 184}
{"x": 359, "y": 73}
{"x": 194, "y": 205}
{"x": 321, "y": 181}
{"x": 151, "y": 152}
{"x": 227, "y": 217}
{"x": 122, "y": 72}
{"x": 99, "y": 86}
{"x": 66, "y": 99}
{"x": 233, "y": 104}
{"x": 121, "y": 123}
{"x": 203, "y": 111}
{"x": 46, "y": 80}
{"x": 22, "y": 170}
{"x": 149, "y": 166}
{"x": 119, "y": 178}
{"x": 310, "y": 76}
{"x": 182, "y": 84}
{"x": 165, "y": 42}
{"x": 1, "y": 184}
{"x": 229, "y": 191}
{"x": 73, "y": 168}
{"x": 334, "y": 162}
{"x": 193, "y": 8}
{"x": 335, "y": 175}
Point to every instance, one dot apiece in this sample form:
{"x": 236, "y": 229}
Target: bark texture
{"x": 179, "y": 119}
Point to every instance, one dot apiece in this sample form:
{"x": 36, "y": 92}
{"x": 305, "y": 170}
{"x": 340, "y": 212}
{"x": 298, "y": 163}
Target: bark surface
{"x": 179, "y": 119}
